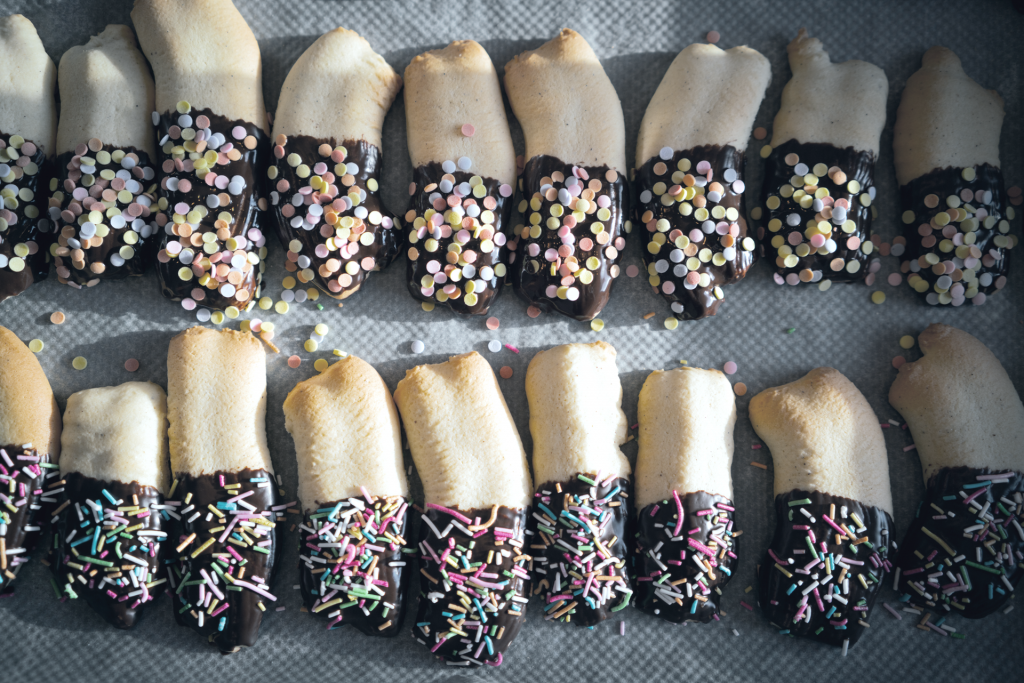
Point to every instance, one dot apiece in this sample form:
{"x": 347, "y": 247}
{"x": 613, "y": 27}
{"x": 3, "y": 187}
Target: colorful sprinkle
{"x": 131, "y": 365}
{"x": 57, "y": 318}
{"x": 505, "y": 372}
{"x": 79, "y": 363}
{"x": 36, "y": 345}
{"x": 294, "y": 361}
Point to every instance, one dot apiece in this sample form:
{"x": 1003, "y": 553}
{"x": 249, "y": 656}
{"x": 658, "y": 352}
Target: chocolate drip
{"x": 967, "y": 269}
{"x": 237, "y": 625}
{"x": 363, "y": 585}
{"x": 531, "y": 267}
{"x": 35, "y": 233}
{"x": 786, "y": 574}
{"x": 121, "y": 551}
{"x": 690, "y": 592}
{"x": 501, "y": 596}
{"x": 328, "y": 266}
{"x": 489, "y": 265}
{"x": 848, "y": 244}
{"x": 567, "y": 509}
{"x": 245, "y": 209}
{"x": 724, "y": 237}
{"x": 970, "y": 517}
{"x": 66, "y": 209}
{"x": 20, "y": 527}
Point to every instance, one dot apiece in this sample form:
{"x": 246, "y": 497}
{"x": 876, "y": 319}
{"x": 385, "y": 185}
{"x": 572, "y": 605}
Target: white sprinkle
{"x": 494, "y": 346}
{"x": 465, "y": 163}
{"x": 417, "y": 346}
{"x": 665, "y": 153}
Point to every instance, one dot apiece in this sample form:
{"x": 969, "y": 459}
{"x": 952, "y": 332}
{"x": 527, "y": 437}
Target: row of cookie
{"x": 196, "y": 206}
{"x": 589, "y": 546}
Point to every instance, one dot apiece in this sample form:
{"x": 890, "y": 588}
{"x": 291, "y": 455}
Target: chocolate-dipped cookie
{"x": 324, "y": 185}
{"x": 464, "y": 167}
{"x": 689, "y": 175}
{"x": 686, "y": 546}
{"x": 223, "y": 492}
{"x": 964, "y": 551}
{"x": 816, "y": 202}
{"x": 833, "y": 508}
{"x": 582, "y": 510}
{"x": 29, "y": 455}
{"x": 213, "y": 150}
{"x": 28, "y": 124}
{"x": 109, "y": 531}
{"x": 103, "y": 193}
{"x": 354, "y": 495}
{"x": 474, "y": 573}
{"x": 573, "y": 192}
{"x": 956, "y": 219}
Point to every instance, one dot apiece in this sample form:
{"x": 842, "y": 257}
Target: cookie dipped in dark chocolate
{"x": 815, "y": 213}
{"x": 567, "y": 255}
{"x": 580, "y": 565}
{"x": 691, "y": 203}
{"x": 212, "y": 248}
{"x": 685, "y": 554}
{"x": 117, "y": 529}
{"x": 471, "y": 611}
{"x": 825, "y": 566}
{"x": 29, "y": 487}
{"x": 956, "y": 225}
{"x": 350, "y": 563}
{"x": 106, "y": 227}
{"x": 329, "y": 213}
{"x": 456, "y": 234}
{"x": 226, "y": 542}
{"x": 964, "y": 552}
{"x": 25, "y": 231}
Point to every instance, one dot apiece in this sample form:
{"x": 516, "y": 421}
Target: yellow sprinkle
{"x": 266, "y": 302}
{"x": 320, "y": 364}
{"x": 217, "y": 317}
{"x": 204, "y": 546}
{"x": 968, "y": 174}
{"x": 321, "y": 329}
{"x": 281, "y": 307}
{"x": 907, "y": 342}
{"x": 311, "y": 345}
{"x": 313, "y": 293}
{"x": 36, "y": 345}
{"x": 427, "y": 306}
{"x": 597, "y": 325}
{"x": 79, "y": 363}
{"x": 766, "y": 151}
{"x": 231, "y": 312}
{"x": 288, "y": 282}
{"x": 184, "y": 107}
{"x": 671, "y": 323}
{"x": 878, "y": 297}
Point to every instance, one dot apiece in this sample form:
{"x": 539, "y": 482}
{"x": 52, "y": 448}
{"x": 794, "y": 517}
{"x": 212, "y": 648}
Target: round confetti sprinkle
{"x": 79, "y": 363}
{"x": 321, "y": 329}
{"x": 597, "y": 325}
{"x": 898, "y": 362}
{"x": 532, "y": 311}
{"x": 320, "y": 364}
{"x": 427, "y": 306}
{"x": 131, "y": 365}
{"x": 493, "y": 323}
{"x": 894, "y": 279}
{"x": 671, "y": 323}
{"x": 878, "y": 297}
{"x": 57, "y": 318}
{"x": 907, "y": 341}
{"x": 632, "y": 271}
{"x": 730, "y": 368}
{"x": 760, "y": 133}
{"x": 203, "y": 315}
{"x": 505, "y": 372}
{"x": 294, "y": 361}
{"x": 417, "y": 346}
{"x": 494, "y": 346}
{"x": 714, "y": 37}
{"x": 36, "y": 345}
{"x": 740, "y": 388}
{"x": 468, "y": 129}
{"x": 311, "y": 346}
{"x": 281, "y": 307}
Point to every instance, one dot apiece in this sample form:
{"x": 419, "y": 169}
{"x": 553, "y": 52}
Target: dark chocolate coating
{"x": 246, "y": 214}
{"x": 657, "y": 523}
{"x": 434, "y": 617}
{"x": 283, "y": 189}
{"x": 20, "y": 229}
{"x": 857, "y": 165}
{"x": 243, "y": 616}
{"x": 985, "y": 591}
{"x": 320, "y": 580}
{"x": 121, "y": 611}
{"x": 613, "y": 532}
{"x": 843, "y": 623}
{"x": 696, "y": 301}
{"x": 21, "y": 528}
{"x": 148, "y": 237}
{"x": 943, "y": 183}
{"x": 531, "y": 275}
{"x": 430, "y": 176}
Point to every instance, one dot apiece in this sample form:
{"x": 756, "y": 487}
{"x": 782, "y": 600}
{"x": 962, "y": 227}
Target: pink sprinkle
{"x": 511, "y": 348}
{"x": 238, "y": 133}
{"x": 910, "y": 448}
{"x": 632, "y": 271}
{"x": 713, "y": 37}
{"x": 730, "y": 368}
{"x": 898, "y": 362}
{"x": 744, "y": 604}
{"x": 895, "y": 279}
{"x": 755, "y": 446}
{"x": 468, "y": 129}
{"x": 679, "y": 509}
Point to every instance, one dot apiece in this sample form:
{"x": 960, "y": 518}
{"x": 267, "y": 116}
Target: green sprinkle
{"x": 990, "y": 570}
{"x": 586, "y": 479}
{"x": 794, "y": 503}
{"x": 791, "y": 330}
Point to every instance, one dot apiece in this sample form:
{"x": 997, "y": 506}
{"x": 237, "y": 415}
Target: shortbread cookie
{"x": 582, "y": 505}
{"x": 964, "y": 552}
{"x": 476, "y": 488}
{"x": 29, "y": 454}
{"x": 323, "y": 185}
{"x": 833, "y": 507}
{"x": 689, "y": 175}
{"x": 102, "y": 198}
{"x": 819, "y": 175}
{"x": 224, "y": 490}
{"x": 686, "y": 551}
{"x": 464, "y": 170}
{"x": 573, "y": 189}
{"x": 28, "y": 124}
{"x": 212, "y": 133}
{"x": 115, "y": 471}
{"x": 354, "y": 495}
{"x": 956, "y": 220}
